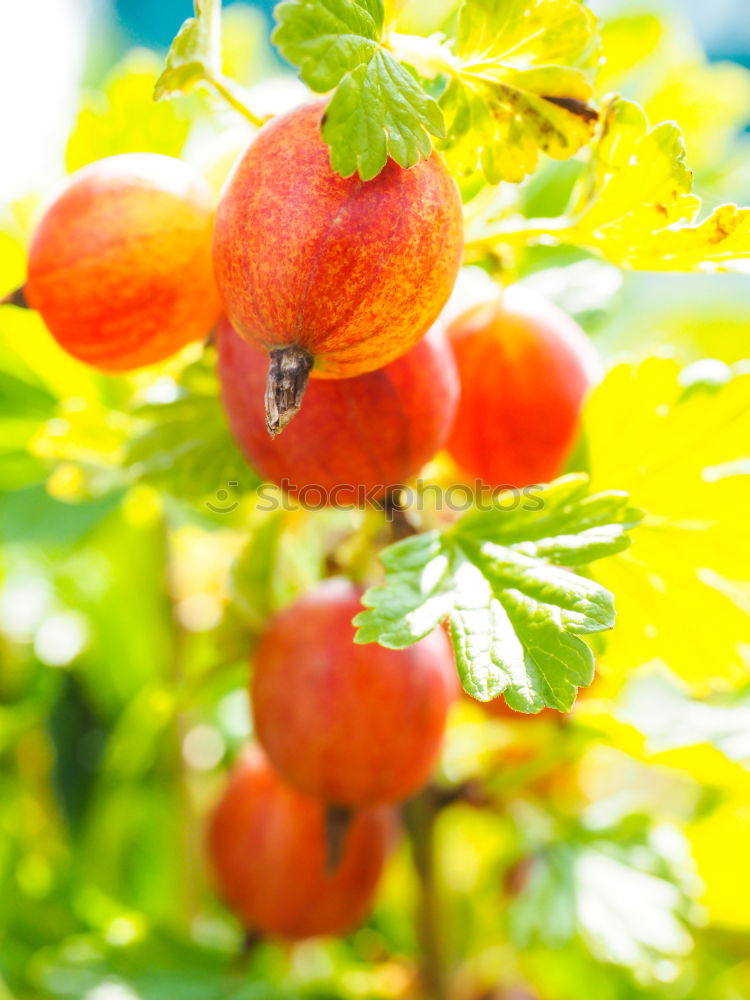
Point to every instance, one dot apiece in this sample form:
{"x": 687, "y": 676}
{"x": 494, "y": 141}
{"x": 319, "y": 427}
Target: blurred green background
{"x": 615, "y": 865}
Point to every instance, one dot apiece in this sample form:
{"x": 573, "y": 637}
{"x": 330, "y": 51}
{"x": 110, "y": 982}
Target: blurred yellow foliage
{"x": 124, "y": 118}
{"x": 661, "y": 63}
{"x": 672, "y": 451}
{"x": 720, "y": 847}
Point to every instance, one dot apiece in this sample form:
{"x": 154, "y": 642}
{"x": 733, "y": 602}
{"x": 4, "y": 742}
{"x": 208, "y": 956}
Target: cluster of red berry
{"x": 349, "y": 730}
{"x": 340, "y": 280}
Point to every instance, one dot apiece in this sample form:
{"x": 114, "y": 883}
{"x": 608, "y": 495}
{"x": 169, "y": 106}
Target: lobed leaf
{"x": 379, "y": 109}
{"x": 194, "y": 53}
{"x": 328, "y": 39}
{"x": 520, "y": 86}
{"x": 363, "y": 130}
{"x": 626, "y": 891}
{"x": 501, "y": 579}
{"x": 635, "y": 204}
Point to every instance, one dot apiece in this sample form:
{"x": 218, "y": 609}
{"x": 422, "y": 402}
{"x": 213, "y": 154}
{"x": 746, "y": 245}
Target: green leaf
{"x": 625, "y": 891}
{"x": 160, "y": 966}
{"x": 186, "y": 448}
{"x": 363, "y": 129}
{"x": 34, "y": 517}
{"x": 519, "y": 86}
{"x": 252, "y": 576}
{"x": 329, "y": 38}
{"x": 195, "y": 56}
{"x": 23, "y": 405}
{"x": 21, "y": 399}
{"x": 19, "y": 468}
{"x": 378, "y": 109}
{"x": 501, "y": 578}
{"x": 194, "y": 53}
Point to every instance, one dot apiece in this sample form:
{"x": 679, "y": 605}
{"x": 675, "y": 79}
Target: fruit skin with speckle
{"x": 267, "y": 844}
{"x": 525, "y": 368}
{"x": 120, "y": 263}
{"x": 349, "y": 273}
{"x": 353, "y": 725}
{"x": 352, "y": 436}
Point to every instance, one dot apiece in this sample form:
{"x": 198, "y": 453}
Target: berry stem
{"x": 420, "y": 815}
{"x": 189, "y": 847}
{"x": 338, "y": 819}
{"x": 287, "y": 379}
{"x": 396, "y": 514}
{"x": 16, "y": 298}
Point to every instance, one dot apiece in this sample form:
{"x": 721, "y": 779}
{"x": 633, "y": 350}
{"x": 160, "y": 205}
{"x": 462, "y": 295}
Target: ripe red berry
{"x": 353, "y": 435}
{"x": 267, "y": 844}
{"x": 120, "y": 263}
{"x": 352, "y": 725}
{"x": 525, "y": 368}
{"x": 326, "y": 272}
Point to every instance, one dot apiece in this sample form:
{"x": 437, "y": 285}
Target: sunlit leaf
{"x": 502, "y": 579}
{"x": 185, "y": 447}
{"x": 627, "y": 41}
{"x": 519, "y": 86}
{"x": 378, "y": 108}
{"x": 671, "y": 719}
{"x": 679, "y": 453}
{"x": 194, "y": 52}
{"x": 624, "y": 891}
{"x": 635, "y": 206}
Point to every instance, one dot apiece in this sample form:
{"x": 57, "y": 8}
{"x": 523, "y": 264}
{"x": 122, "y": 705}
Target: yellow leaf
{"x": 719, "y": 846}
{"x": 124, "y": 118}
{"x": 678, "y": 454}
{"x": 721, "y": 242}
{"x": 626, "y": 42}
{"x": 634, "y": 204}
{"x": 660, "y": 62}
{"x": 711, "y": 101}
{"x": 519, "y": 86}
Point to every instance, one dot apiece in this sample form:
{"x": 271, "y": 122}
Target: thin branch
{"x": 233, "y": 96}
{"x": 420, "y": 814}
{"x": 397, "y": 515}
